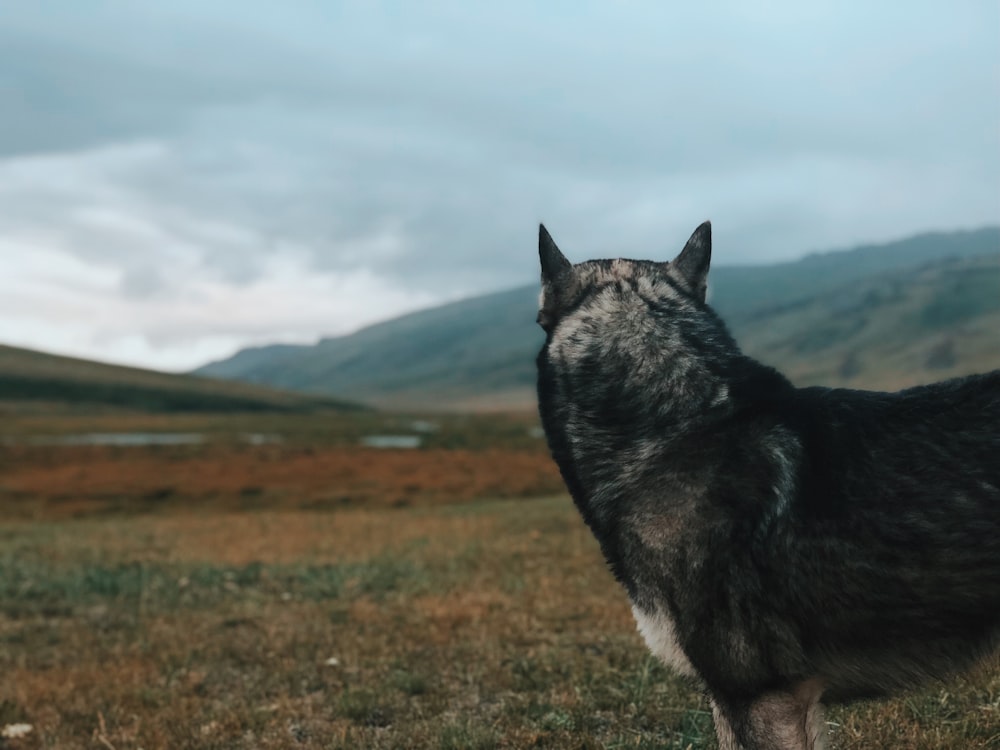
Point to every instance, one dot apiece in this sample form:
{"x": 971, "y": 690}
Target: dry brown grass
{"x": 208, "y": 616}
{"x": 493, "y": 624}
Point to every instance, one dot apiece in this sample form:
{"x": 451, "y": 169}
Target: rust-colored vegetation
{"x": 225, "y": 595}
{"x": 84, "y": 480}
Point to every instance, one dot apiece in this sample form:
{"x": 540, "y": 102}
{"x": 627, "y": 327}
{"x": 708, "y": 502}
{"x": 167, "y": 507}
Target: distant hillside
{"x": 480, "y": 352}
{"x": 31, "y": 376}
{"x": 737, "y": 290}
{"x": 484, "y": 345}
{"x": 888, "y": 331}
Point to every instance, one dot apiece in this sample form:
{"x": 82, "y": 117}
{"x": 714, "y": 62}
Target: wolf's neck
{"x": 616, "y": 431}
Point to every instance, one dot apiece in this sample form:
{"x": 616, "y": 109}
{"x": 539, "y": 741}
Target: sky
{"x": 179, "y": 180}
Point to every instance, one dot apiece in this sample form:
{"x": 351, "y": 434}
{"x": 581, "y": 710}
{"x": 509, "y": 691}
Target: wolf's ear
{"x": 556, "y": 270}
{"x": 692, "y": 264}
{"x": 557, "y": 279}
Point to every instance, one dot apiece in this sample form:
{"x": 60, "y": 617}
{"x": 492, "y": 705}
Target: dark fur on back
{"x": 785, "y": 543}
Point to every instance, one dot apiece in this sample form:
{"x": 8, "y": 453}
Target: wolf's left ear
{"x": 693, "y": 262}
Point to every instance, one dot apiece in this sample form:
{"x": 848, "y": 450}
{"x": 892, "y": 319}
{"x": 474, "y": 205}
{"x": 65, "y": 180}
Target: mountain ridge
{"x": 481, "y": 350}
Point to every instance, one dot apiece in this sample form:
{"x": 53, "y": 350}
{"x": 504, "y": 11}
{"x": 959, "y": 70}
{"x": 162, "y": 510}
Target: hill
{"x": 475, "y": 347}
{"x": 888, "y": 331}
{"x": 480, "y": 352}
{"x": 738, "y": 290}
{"x": 61, "y": 382}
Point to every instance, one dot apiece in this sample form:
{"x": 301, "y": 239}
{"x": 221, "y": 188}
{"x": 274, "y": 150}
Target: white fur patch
{"x": 657, "y": 630}
{"x": 785, "y": 482}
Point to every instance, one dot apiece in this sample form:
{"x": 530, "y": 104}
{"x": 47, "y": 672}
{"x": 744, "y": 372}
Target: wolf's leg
{"x": 775, "y": 721}
{"x": 724, "y": 730}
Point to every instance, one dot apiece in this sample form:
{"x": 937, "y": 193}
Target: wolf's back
{"x": 897, "y": 524}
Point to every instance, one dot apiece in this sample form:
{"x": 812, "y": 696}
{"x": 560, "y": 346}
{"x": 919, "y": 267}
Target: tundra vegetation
{"x": 303, "y": 591}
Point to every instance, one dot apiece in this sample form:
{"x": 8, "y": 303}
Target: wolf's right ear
{"x": 694, "y": 259}
{"x": 556, "y": 270}
{"x": 557, "y": 278}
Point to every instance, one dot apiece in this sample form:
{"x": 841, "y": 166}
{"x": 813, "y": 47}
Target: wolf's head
{"x": 633, "y": 332}
{"x": 631, "y": 343}
{"x": 565, "y": 286}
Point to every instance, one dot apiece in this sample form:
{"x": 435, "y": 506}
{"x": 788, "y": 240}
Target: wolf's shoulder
{"x": 844, "y": 426}
{"x": 979, "y": 391}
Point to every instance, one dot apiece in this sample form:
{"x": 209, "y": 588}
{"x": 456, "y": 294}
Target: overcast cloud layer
{"x": 181, "y": 179}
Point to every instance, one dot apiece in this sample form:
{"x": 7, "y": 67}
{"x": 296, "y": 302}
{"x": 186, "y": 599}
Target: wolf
{"x": 783, "y": 547}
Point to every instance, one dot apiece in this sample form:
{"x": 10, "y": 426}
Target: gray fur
{"x": 780, "y": 545}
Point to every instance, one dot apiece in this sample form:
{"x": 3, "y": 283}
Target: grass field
{"x": 224, "y": 595}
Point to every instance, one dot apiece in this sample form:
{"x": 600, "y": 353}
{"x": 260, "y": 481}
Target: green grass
{"x": 30, "y": 587}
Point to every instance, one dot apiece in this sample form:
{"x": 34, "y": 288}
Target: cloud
{"x": 95, "y": 267}
{"x": 54, "y": 301}
{"x": 187, "y": 165}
